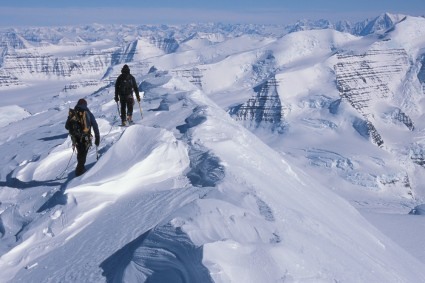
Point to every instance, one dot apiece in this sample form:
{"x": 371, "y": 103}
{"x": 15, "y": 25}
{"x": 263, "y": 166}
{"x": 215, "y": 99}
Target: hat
{"x": 125, "y": 69}
{"x": 82, "y": 101}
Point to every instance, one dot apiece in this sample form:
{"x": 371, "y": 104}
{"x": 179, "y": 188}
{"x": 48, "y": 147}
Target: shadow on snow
{"x": 161, "y": 255}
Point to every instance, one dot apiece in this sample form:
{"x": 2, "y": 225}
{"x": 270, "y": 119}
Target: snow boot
{"x": 80, "y": 170}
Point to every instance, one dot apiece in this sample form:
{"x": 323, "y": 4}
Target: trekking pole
{"x": 142, "y": 94}
{"x": 140, "y": 107}
{"x": 97, "y": 153}
{"x": 118, "y": 109}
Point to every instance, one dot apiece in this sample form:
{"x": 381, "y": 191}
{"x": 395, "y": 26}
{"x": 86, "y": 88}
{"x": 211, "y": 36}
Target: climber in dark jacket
{"x": 124, "y": 86}
{"x": 83, "y": 146}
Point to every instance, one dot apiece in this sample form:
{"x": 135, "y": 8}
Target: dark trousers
{"x": 82, "y": 150}
{"x": 127, "y": 103}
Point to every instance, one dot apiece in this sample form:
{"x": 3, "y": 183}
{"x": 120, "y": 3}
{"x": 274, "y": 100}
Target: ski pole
{"x": 97, "y": 153}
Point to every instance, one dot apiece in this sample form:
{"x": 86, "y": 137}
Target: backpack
{"x": 79, "y": 126}
{"x": 126, "y": 85}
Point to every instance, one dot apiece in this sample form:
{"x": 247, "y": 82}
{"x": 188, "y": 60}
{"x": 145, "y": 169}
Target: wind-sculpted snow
{"x": 196, "y": 118}
{"x": 163, "y": 254}
{"x": 136, "y": 151}
{"x": 159, "y": 145}
{"x": 205, "y": 168}
{"x": 418, "y": 210}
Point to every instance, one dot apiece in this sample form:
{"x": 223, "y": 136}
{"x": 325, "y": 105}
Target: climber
{"x": 79, "y": 124}
{"x": 124, "y": 86}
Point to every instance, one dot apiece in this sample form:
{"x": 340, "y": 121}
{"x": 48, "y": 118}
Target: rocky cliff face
{"x": 365, "y": 80}
{"x": 381, "y": 24}
{"x": 167, "y": 44}
{"x": 421, "y": 74}
{"x": 84, "y": 85}
{"x": 25, "y": 54}
{"x": 264, "y": 66}
{"x": 23, "y": 64}
{"x": 264, "y": 107}
{"x": 193, "y": 75}
{"x": 7, "y": 80}
{"x": 11, "y": 40}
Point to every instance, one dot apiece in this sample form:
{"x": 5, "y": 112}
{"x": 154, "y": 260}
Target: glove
{"x": 116, "y": 99}
{"x": 138, "y": 98}
{"x": 97, "y": 141}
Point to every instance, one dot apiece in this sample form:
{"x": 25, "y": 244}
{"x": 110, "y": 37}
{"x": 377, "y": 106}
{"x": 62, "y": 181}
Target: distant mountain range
{"x": 21, "y": 38}
{"x": 371, "y": 69}
{"x": 101, "y": 46}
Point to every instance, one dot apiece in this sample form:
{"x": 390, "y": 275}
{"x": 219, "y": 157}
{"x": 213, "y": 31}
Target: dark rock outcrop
{"x": 264, "y": 106}
{"x": 364, "y": 79}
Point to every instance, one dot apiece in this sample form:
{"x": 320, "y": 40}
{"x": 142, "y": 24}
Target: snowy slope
{"x": 257, "y": 210}
{"x": 192, "y": 194}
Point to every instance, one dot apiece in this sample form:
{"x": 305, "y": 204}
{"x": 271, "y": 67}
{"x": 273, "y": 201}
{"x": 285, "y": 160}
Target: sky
{"x": 77, "y": 12}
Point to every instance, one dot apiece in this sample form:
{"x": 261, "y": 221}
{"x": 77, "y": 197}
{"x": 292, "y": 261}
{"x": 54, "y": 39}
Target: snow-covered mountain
{"x": 265, "y": 153}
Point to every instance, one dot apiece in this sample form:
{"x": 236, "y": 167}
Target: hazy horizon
{"x": 46, "y": 13}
